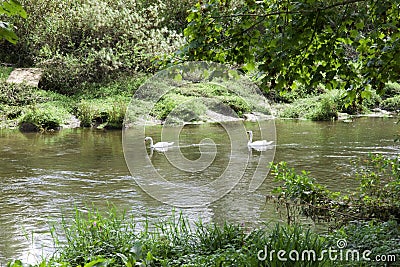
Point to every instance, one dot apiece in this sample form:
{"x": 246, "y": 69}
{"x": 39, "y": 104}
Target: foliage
{"x": 343, "y": 44}
{"x": 297, "y": 91}
{"x": 123, "y": 86}
{"x": 391, "y": 103}
{"x": 379, "y": 188}
{"x": 19, "y": 94}
{"x": 5, "y": 72}
{"x": 10, "y": 8}
{"x": 391, "y": 89}
{"x": 95, "y": 236}
{"x": 44, "y": 117}
{"x": 108, "y": 112}
{"x": 376, "y": 198}
{"x": 90, "y": 41}
{"x": 189, "y": 102}
{"x": 26, "y": 104}
{"x": 381, "y": 238}
{"x": 115, "y": 240}
{"x": 321, "y": 107}
{"x": 101, "y": 105}
{"x": 167, "y": 104}
{"x": 300, "y": 194}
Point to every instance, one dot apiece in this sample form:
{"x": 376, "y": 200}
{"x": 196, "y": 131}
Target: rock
{"x": 72, "y": 122}
{"x": 257, "y": 116}
{"x": 28, "y": 127}
{"x": 30, "y": 76}
{"x": 212, "y": 116}
{"x": 250, "y": 117}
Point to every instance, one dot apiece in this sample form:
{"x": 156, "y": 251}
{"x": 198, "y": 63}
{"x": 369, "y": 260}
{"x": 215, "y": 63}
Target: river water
{"x": 45, "y": 176}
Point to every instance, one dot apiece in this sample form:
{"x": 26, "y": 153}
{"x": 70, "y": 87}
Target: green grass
{"x": 5, "y": 72}
{"x": 108, "y": 112}
{"x": 45, "y": 116}
{"x": 114, "y": 239}
{"x": 391, "y": 103}
{"x": 322, "y": 107}
{"x": 103, "y": 105}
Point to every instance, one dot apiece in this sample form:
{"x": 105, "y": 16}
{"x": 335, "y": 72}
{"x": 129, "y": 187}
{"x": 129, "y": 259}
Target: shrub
{"x": 381, "y": 238}
{"x": 391, "y": 103}
{"x": 391, "y": 89}
{"x": 19, "y": 94}
{"x": 189, "y": 111}
{"x": 373, "y": 101}
{"x": 5, "y": 72}
{"x": 236, "y": 103}
{"x": 108, "y": 113}
{"x": 327, "y": 108}
{"x": 167, "y": 104}
{"x": 77, "y": 41}
{"x": 322, "y": 107}
{"x": 44, "y": 117}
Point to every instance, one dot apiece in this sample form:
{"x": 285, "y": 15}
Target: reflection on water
{"x": 45, "y": 175}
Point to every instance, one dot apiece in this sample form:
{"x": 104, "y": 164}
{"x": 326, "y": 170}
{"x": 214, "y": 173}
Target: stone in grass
{"x": 30, "y": 76}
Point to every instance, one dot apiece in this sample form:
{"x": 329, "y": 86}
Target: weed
{"x": 44, "y": 117}
{"x": 95, "y": 239}
{"x": 391, "y": 103}
{"x": 109, "y": 112}
{"x": 391, "y": 89}
{"x": 321, "y": 107}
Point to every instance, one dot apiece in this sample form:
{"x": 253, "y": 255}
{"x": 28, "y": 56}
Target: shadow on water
{"x": 45, "y": 175}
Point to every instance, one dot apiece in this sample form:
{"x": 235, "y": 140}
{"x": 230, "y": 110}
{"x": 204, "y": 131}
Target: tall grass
{"x": 114, "y": 239}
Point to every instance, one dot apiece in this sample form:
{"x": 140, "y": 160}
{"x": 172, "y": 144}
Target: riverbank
{"x": 103, "y": 105}
{"x": 114, "y": 239}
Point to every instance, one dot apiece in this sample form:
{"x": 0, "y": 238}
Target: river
{"x": 45, "y": 176}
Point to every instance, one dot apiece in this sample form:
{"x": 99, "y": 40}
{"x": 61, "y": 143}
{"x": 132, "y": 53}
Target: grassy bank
{"x": 104, "y": 104}
{"x": 95, "y": 105}
{"x": 321, "y": 104}
{"x": 114, "y": 239}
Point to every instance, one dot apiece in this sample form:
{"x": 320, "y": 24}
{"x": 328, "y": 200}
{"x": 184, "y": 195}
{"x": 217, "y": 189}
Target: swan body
{"x": 256, "y": 144}
{"x": 158, "y": 145}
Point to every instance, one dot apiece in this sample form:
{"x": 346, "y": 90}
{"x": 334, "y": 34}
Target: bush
{"x": 322, "y": 107}
{"x": 391, "y": 103}
{"x": 5, "y": 72}
{"x": 108, "y": 113}
{"x": 327, "y": 108}
{"x": 95, "y": 239}
{"x": 167, "y": 104}
{"x": 373, "y": 101}
{"x": 381, "y": 238}
{"x": 19, "y": 94}
{"x": 44, "y": 117}
{"x": 189, "y": 111}
{"x": 77, "y": 41}
{"x": 391, "y": 89}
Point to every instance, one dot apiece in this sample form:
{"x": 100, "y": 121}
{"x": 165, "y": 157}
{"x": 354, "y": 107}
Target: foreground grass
{"x": 114, "y": 239}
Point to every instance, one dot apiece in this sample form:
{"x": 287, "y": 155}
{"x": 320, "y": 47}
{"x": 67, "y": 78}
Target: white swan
{"x": 256, "y": 144}
{"x": 158, "y": 145}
